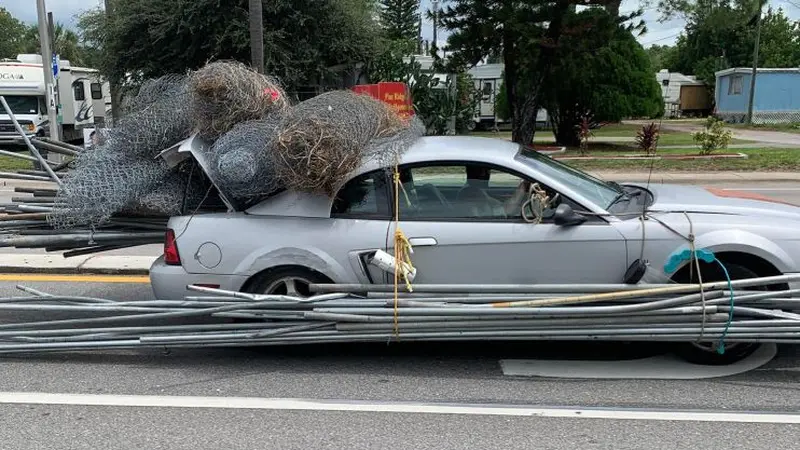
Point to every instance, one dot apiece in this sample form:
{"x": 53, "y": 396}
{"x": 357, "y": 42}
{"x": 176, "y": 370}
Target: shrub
{"x": 714, "y": 137}
{"x": 584, "y": 133}
{"x": 647, "y": 138}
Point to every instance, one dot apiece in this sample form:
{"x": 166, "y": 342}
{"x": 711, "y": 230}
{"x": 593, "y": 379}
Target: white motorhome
{"x": 82, "y": 96}
{"x": 488, "y": 79}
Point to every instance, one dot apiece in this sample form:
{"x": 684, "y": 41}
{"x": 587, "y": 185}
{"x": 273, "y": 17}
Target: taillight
{"x": 171, "y": 255}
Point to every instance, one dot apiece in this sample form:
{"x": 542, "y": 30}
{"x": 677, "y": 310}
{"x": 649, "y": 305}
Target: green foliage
{"x": 721, "y": 34}
{"x": 713, "y": 137}
{"x": 434, "y": 104}
{"x": 647, "y": 139}
{"x": 501, "y": 107}
{"x": 150, "y": 38}
{"x": 400, "y": 22}
{"x": 604, "y": 74}
{"x": 661, "y": 56}
{"x": 65, "y": 43}
{"x": 528, "y": 36}
{"x": 11, "y": 44}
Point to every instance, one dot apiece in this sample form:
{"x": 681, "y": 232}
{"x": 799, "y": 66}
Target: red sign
{"x": 395, "y": 94}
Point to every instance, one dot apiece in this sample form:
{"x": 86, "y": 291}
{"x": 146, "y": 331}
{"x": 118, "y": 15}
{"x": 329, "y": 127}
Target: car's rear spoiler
{"x": 196, "y": 147}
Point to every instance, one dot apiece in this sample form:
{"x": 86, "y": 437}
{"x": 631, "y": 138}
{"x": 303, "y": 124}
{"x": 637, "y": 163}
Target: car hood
{"x": 707, "y": 200}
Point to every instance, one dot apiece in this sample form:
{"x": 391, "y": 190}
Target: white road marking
{"x": 286, "y": 404}
{"x": 661, "y": 367}
{"x": 761, "y": 189}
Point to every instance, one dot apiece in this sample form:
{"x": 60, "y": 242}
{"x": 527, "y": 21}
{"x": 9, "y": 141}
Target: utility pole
{"x": 51, "y": 36}
{"x": 47, "y": 66}
{"x": 257, "y": 35}
{"x": 755, "y": 67}
{"x": 435, "y": 46}
{"x": 112, "y": 85}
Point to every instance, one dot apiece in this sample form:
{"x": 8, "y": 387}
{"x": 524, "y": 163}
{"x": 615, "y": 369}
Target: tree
{"x": 527, "y": 33}
{"x": 13, "y": 35}
{"x": 65, "y": 43}
{"x": 601, "y": 76}
{"x": 186, "y": 34}
{"x": 400, "y": 21}
{"x": 721, "y": 34}
{"x": 660, "y": 56}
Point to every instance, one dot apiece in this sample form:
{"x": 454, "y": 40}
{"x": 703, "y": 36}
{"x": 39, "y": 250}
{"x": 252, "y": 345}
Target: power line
{"x": 662, "y": 39}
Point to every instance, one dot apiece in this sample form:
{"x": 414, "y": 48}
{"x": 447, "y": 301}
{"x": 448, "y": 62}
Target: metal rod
{"x": 33, "y": 150}
{"x": 54, "y": 148}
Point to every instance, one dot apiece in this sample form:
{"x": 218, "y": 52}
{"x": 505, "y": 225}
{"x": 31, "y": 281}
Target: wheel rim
{"x": 294, "y": 286}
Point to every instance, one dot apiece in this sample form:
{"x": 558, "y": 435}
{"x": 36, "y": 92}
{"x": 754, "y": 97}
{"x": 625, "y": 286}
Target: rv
{"x": 83, "y": 99}
{"x": 488, "y": 79}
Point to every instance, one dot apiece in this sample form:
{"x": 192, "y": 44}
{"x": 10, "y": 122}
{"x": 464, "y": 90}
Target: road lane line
{"x": 75, "y": 278}
{"x": 287, "y": 404}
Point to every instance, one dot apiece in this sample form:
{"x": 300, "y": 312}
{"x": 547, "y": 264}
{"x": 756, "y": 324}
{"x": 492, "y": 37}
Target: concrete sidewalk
{"x": 56, "y": 263}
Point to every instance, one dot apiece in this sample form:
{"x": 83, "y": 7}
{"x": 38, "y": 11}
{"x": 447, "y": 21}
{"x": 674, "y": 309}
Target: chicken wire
{"x": 225, "y": 94}
{"x": 323, "y": 139}
{"x": 242, "y": 161}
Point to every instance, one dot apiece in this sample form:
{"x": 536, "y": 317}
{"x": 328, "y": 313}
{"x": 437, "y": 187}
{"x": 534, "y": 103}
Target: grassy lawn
{"x": 667, "y": 137}
{"x": 11, "y": 164}
{"x": 785, "y": 127}
{"x": 759, "y": 159}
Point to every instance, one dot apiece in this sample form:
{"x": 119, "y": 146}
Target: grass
{"x": 11, "y": 164}
{"x": 759, "y": 159}
{"x": 785, "y": 127}
{"x": 667, "y": 137}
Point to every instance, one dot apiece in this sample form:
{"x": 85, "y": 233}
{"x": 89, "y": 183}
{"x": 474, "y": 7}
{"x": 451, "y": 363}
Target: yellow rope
{"x": 402, "y": 250}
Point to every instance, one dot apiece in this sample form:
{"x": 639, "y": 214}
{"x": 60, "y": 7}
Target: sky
{"x": 658, "y": 33}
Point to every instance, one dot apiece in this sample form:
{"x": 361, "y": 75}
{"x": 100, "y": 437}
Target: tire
{"x": 288, "y": 281}
{"x": 706, "y": 353}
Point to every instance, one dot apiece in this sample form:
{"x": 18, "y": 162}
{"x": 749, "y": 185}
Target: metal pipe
{"x": 16, "y": 176}
{"x": 33, "y": 150}
{"x": 39, "y": 143}
{"x": 483, "y": 288}
{"x": 23, "y": 156}
{"x": 66, "y": 145}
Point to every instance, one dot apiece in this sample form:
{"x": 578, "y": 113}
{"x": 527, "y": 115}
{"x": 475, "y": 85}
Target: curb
{"x": 83, "y": 265}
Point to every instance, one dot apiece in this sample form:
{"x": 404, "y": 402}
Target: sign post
{"x": 49, "y": 80}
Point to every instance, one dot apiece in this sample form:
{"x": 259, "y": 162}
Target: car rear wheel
{"x": 290, "y": 281}
{"x": 705, "y": 353}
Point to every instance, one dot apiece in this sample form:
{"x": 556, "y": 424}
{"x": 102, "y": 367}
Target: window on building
{"x": 735, "y": 86}
{"x": 97, "y": 91}
{"x": 78, "y": 91}
{"x": 487, "y": 89}
{"x": 365, "y": 196}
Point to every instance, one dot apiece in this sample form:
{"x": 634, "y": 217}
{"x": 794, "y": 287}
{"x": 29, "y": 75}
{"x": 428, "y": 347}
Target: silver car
{"x": 465, "y": 204}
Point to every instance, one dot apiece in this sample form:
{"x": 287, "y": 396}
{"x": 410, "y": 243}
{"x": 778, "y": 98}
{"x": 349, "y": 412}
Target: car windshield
{"x": 22, "y": 104}
{"x": 600, "y": 192}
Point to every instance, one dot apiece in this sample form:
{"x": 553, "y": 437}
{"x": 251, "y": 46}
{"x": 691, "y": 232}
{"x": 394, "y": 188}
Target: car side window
{"x": 365, "y": 196}
{"x": 462, "y": 192}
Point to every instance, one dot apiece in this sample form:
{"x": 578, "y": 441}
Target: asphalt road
{"x": 437, "y": 396}
{"x": 441, "y": 396}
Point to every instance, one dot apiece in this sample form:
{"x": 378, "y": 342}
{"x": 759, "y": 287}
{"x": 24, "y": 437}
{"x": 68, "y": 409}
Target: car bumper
{"x": 169, "y": 282}
{"x": 11, "y": 138}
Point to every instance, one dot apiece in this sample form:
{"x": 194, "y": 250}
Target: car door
{"x": 455, "y": 242}
{"x": 360, "y": 217}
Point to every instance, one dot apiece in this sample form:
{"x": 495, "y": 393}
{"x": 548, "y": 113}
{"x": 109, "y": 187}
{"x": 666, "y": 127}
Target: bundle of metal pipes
{"x": 24, "y": 220}
{"x": 729, "y": 312}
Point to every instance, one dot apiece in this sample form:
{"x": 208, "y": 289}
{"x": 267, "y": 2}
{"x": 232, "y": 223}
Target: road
{"x": 398, "y": 396}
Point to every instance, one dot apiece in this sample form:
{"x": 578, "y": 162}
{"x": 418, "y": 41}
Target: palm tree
{"x": 65, "y": 43}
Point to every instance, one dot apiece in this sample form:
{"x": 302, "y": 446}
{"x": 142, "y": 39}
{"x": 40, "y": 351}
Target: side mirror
{"x": 566, "y": 216}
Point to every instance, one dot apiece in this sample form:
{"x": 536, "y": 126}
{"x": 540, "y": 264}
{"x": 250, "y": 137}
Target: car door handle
{"x": 422, "y": 241}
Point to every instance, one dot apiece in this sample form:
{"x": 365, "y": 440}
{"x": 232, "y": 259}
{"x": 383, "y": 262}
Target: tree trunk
{"x": 566, "y": 132}
{"x": 256, "y": 35}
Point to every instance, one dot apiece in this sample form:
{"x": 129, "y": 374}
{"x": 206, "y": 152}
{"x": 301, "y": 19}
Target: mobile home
{"x": 83, "y": 98}
{"x": 488, "y": 79}
{"x": 776, "y": 98}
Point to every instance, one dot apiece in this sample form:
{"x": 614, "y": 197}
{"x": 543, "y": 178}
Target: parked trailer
{"x": 488, "y": 79}
{"x": 83, "y": 97}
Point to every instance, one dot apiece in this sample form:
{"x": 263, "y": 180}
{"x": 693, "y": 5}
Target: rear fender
{"x": 311, "y": 258}
{"x": 743, "y": 242}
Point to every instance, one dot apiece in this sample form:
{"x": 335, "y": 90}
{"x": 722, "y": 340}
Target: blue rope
{"x": 721, "y": 347}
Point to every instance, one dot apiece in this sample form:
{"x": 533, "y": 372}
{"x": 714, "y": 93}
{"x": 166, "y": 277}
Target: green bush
{"x": 714, "y": 137}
